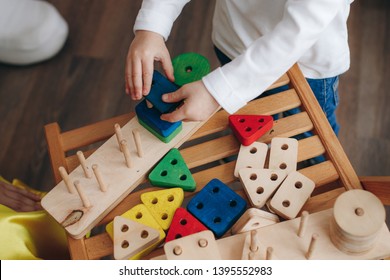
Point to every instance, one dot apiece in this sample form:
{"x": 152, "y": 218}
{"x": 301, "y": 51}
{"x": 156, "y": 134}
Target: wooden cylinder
{"x": 83, "y": 164}
{"x": 312, "y": 246}
{"x": 126, "y": 153}
{"x": 269, "y": 253}
{"x": 119, "y": 135}
{"x": 65, "y": 177}
{"x": 99, "y": 179}
{"x": 83, "y": 197}
{"x": 303, "y": 223}
{"x": 138, "y": 143}
{"x": 254, "y": 241}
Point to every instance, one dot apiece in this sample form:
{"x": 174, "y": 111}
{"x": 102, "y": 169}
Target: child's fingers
{"x": 177, "y": 115}
{"x": 167, "y": 66}
{"x": 175, "y": 96}
{"x": 147, "y": 74}
{"x": 136, "y": 79}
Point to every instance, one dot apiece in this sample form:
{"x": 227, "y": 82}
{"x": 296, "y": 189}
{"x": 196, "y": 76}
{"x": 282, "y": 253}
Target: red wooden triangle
{"x": 183, "y": 224}
{"x": 249, "y": 128}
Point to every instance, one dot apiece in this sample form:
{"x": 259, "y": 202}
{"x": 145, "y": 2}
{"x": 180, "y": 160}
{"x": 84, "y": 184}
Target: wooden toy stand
{"x": 207, "y": 147}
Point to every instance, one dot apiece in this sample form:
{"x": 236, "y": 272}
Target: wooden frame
{"x": 206, "y": 150}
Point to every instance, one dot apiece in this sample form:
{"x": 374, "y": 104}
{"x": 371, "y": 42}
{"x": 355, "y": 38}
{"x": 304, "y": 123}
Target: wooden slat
{"x": 322, "y": 201}
{"x": 55, "y": 147}
{"x": 269, "y": 105}
{"x": 99, "y": 246}
{"x": 89, "y": 134}
{"x": 322, "y": 173}
{"x": 282, "y": 81}
{"x": 77, "y": 249}
{"x": 310, "y": 147}
{"x": 378, "y": 185}
{"x": 324, "y": 130}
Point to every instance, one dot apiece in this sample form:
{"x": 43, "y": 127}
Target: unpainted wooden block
{"x": 292, "y": 195}
{"x": 252, "y": 156}
{"x": 252, "y": 219}
{"x": 283, "y": 154}
{"x": 260, "y": 184}
{"x": 197, "y": 246}
{"x": 131, "y": 238}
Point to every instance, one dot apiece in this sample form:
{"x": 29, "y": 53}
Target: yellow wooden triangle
{"x": 163, "y": 204}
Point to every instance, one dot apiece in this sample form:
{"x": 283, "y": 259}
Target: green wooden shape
{"x": 159, "y": 136}
{"x": 172, "y": 171}
{"x": 189, "y": 67}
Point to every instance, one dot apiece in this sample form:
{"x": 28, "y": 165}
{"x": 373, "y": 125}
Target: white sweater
{"x": 264, "y": 38}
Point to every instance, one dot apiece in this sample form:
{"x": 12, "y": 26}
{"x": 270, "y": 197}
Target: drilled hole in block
{"x": 241, "y": 120}
{"x": 359, "y": 211}
{"x": 253, "y": 176}
{"x": 174, "y": 161}
{"x": 189, "y": 69}
{"x": 183, "y": 177}
{"x": 170, "y": 198}
{"x": 164, "y": 216}
{"x": 259, "y": 190}
{"x": 284, "y": 147}
{"x": 183, "y": 222}
{"x": 216, "y": 190}
{"x": 199, "y": 205}
{"x": 125, "y": 244}
{"x": 144, "y": 234}
{"x": 124, "y": 228}
{"x": 286, "y": 203}
{"x": 164, "y": 173}
{"x": 283, "y": 166}
{"x": 255, "y": 225}
{"x": 298, "y": 184}
{"x": 274, "y": 177}
{"x": 253, "y": 150}
{"x": 247, "y": 129}
{"x": 261, "y": 120}
{"x": 138, "y": 215}
{"x": 233, "y": 203}
{"x": 217, "y": 220}
{"x": 177, "y": 236}
{"x": 154, "y": 200}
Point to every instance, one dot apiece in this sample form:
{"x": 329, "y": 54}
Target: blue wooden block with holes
{"x": 151, "y": 117}
{"x": 217, "y": 206}
{"x": 160, "y": 86}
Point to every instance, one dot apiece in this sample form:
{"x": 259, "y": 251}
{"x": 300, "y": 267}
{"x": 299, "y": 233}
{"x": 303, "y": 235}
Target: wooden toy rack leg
{"x": 206, "y": 150}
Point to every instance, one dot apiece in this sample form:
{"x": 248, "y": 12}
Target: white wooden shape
{"x": 119, "y": 179}
{"x": 260, "y": 184}
{"x": 131, "y": 237}
{"x": 283, "y": 154}
{"x": 252, "y": 219}
{"x": 292, "y": 195}
{"x": 198, "y": 246}
{"x": 252, "y": 156}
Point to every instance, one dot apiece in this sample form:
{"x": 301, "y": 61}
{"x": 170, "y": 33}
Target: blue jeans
{"x": 325, "y": 90}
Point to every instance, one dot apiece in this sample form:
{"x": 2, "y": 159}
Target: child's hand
{"x": 146, "y": 48}
{"x": 20, "y": 200}
{"x": 198, "y": 103}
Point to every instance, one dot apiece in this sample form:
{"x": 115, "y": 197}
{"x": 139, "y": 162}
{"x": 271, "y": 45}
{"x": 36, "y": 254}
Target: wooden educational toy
{"x": 183, "y": 224}
{"x": 131, "y": 238}
{"x": 252, "y": 156}
{"x": 139, "y": 214}
{"x": 172, "y": 171}
{"x": 163, "y": 204}
{"x": 283, "y": 154}
{"x": 217, "y": 206}
{"x": 203, "y": 152}
{"x": 292, "y": 195}
{"x": 249, "y": 128}
{"x": 197, "y": 246}
{"x": 150, "y": 119}
{"x": 260, "y": 184}
{"x": 252, "y": 219}
{"x": 189, "y": 67}
{"x": 160, "y": 86}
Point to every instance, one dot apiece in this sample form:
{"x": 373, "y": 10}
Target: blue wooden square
{"x": 151, "y": 117}
{"x": 217, "y": 206}
{"x": 160, "y": 86}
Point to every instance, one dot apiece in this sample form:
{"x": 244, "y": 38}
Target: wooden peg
{"x": 312, "y": 246}
{"x": 99, "y": 179}
{"x": 254, "y": 247}
{"x": 119, "y": 135}
{"x": 138, "y": 144}
{"x": 82, "y": 195}
{"x": 65, "y": 177}
{"x": 83, "y": 163}
{"x": 303, "y": 223}
{"x": 126, "y": 153}
{"x": 269, "y": 253}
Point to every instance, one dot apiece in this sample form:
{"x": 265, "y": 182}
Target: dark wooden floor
{"x": 84, "y": 82}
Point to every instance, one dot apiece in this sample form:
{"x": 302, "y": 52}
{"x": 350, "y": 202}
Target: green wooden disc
{"x": 189, "y": 67}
